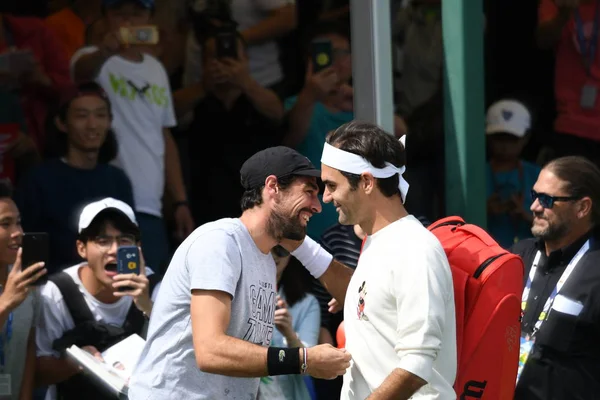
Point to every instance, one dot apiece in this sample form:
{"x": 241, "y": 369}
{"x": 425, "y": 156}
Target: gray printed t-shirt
{"x": 219, "y": 255}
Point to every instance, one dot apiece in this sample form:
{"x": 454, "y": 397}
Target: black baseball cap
{"x": 280, "y": 161}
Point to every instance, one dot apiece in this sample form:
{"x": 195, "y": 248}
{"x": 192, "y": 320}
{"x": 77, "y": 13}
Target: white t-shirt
{"x": 142, "y": 106}
{"x": 399, "y": 313}
{"x": 222, "y": 256}
{"x": 55, "y": 320}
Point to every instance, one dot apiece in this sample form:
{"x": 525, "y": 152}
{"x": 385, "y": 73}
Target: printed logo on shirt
{"x": 260, "y": 325}
{"x": 362, "y": 295}
{"x": 153, "y": 93}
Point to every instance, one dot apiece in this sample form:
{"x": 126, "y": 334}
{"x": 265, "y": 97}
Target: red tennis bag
{"x": 488, "y": 283}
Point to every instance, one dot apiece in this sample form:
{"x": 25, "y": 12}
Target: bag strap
{"x": 73, "y": 298}
{"x": 134, "y": 321}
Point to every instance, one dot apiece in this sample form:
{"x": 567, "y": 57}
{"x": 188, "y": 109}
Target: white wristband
{"x": 314, "y": 258}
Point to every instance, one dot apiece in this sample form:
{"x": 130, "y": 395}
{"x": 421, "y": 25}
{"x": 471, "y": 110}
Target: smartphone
{"x": 227, "y": 45}
{"x": 128, "y": 262}
{"x": 321, "y": 54}
{"x": 35, "y": 249}
{"x": 139, "y": 35}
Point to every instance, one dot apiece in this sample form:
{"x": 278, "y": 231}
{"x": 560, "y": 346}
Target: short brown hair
{"x": 582, "y": 179}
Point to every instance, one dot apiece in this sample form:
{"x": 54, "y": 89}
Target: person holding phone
{"x": 76, "y": 171}
{"x": 139, "y": 90}
{"x": 93, "y": 289}
{"x": 19, "y": 305}
{"x": 228, "y": 106}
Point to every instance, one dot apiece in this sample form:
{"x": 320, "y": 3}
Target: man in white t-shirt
{"x": 399, "y": 313}
{"x": 83, "y": 304}
{"x": 138, "y": 87}
{"x": 212, "y": 323}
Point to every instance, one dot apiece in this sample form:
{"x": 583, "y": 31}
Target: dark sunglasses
{"x": 548, "y": 201}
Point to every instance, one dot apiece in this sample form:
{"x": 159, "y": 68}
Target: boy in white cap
{"x": 509, "y": 178}
{"x": 83, "y": 305}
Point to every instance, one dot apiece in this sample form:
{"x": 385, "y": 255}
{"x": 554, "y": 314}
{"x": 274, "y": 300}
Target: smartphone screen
{"x": 35, "y": 249}
{"x": 322, "y": 54}
{"x": 128, "y": 262}
{"x": 140, "y": 35}
{"x": 227, "y": 45}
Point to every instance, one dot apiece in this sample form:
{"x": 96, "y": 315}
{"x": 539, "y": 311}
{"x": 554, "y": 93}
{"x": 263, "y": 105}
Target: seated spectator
{"x": 19, "y": 304}
{"x": 297, "y": 319}
{"x": 70, "y": 23}
{"x": 40, "y": 83}
{"x": 238, "y": 117}
{"x": 76, "y": 173}
{"x": 324, "y": 104}
{"x": 82, "y": 305}
{"x": 509, "y": 178}
{"x": 139, "y": 90}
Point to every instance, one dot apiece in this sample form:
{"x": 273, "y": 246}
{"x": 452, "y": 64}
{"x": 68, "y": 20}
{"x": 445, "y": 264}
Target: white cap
{"x": 508, "y": 116}
{"x": 90, "y": 211}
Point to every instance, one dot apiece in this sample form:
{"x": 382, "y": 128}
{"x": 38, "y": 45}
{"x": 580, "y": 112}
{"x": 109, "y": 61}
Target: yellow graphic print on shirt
{"x": 153, "y": 93}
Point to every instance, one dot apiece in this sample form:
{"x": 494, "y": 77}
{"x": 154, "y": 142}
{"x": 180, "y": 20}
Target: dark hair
{"x": 123, "y": 2}
{"x": 6, "y": 191}
{"x": 213, "y": 35}
{"x": 582, "y": 179}
{"x": 294, "y": 282}
{"x": 113, "y": 217}
{"x": 57, "y": 142}
{"x": 327, "y": 28}
{"x": 374, "y": 145}
{"x": 214, "y": 16}
{"x": 253, "y": 197}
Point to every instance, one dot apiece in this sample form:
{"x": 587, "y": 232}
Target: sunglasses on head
{"x": 548, "y": 201}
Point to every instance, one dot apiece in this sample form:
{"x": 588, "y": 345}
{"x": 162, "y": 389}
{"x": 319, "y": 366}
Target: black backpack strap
{"x": 73, "y": 298}
{"x": 134, "y": 322}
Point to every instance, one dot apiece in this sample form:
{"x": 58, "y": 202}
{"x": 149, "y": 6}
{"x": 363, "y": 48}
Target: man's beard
{"x": 281, "y": 227}
{"x": 551, "y": 232}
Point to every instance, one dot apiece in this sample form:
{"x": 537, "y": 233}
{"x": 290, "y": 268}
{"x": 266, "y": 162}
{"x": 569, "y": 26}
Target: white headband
{"x": 355, "y": 164}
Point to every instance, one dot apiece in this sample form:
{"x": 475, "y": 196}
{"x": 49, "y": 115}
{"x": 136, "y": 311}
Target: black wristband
{"x": 283, "y": 361}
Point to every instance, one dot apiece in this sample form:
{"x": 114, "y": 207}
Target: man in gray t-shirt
{"x": 212, "y": 321}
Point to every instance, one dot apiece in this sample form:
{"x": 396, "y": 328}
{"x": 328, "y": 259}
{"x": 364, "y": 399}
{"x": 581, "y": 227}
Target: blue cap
{"x": 144, "y": 3}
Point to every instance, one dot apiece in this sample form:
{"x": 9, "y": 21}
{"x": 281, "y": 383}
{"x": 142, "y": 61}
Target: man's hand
{"x": 140, "y": 287}
{"x": 334, "y": 306}
{"x": 237, "y": 72}
{"x": 326, "y": 362}
{"x": 19, "y": 282}
{"x": 93, "y": 351}
{"x": 283, "y": 318}
{"x": 215, "y": 74}
{"x": 322, "y": 83}
{"x": 111, "y": 44}
{"x": 184, "y": 222}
